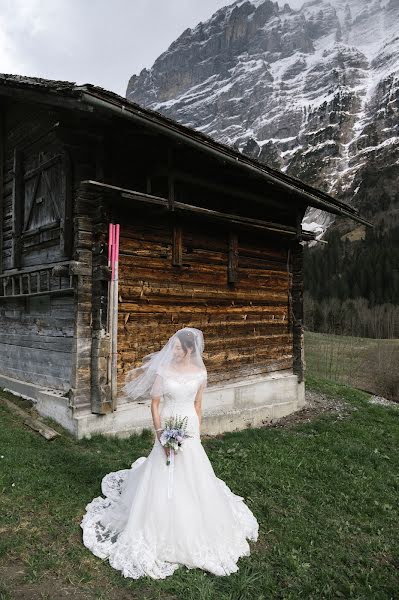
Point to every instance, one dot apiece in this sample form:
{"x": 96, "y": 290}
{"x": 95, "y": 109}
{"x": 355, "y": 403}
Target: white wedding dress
{"x": 156, "y": 517}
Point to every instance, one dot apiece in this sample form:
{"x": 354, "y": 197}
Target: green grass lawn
{"x": 365, "y": 363}
{"x": 325, "y": 494}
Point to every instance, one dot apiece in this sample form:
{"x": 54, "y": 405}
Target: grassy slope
{"x": 325, "y": 494}
{"x": 365, "y": 363}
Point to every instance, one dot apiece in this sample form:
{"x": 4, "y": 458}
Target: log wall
{"x": 46, "y": 338}
{"x": 296, "y": 304}
{"x": 36, "y": 340}
{"x": 36, "y": 324}
{"x": 246, "y": 323}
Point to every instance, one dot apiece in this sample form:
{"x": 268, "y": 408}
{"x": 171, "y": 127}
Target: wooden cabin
{"x": 208, "y": 238}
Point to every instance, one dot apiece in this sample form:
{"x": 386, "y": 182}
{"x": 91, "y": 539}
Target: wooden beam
{"x": 17, "y": 207}
{"x": 299, "y": 217}
{"x": 295, "y": 259}
{"x": 236, "y": 219}
{"x": 211, "y": 214}
{"x": 46, "y": 165}
{"x": 171, "y": 181}
{"x": 66, "y": 236}
{"x": 177, "y": 244}
{"x": 32, "y": 422}
{"x": 233, "y": 258}
{"x": 35, "y": 268}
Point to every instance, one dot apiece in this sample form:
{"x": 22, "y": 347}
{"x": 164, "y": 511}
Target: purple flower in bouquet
{"x": 174, "y": 433}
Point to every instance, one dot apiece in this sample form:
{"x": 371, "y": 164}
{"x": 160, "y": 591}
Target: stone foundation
{"x": 250, "y": 403}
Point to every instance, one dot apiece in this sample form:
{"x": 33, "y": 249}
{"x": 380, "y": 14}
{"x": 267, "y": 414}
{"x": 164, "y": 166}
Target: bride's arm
{"x": 198, "y": 403}
{"x": 156, "y": 394}
{"x": 155, "y": 415}
{"x": 155, "y": 400}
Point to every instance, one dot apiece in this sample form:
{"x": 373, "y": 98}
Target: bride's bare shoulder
{"x": 194, "y": 371}
{"x": 199, "y": 371}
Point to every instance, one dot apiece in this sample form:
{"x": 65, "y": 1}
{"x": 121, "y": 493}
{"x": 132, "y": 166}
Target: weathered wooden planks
{"x": 34, "y": 423}
{"x": 89, "y": 385}
{"x": 37, "y": 197}
{"x": 159, "y": 292}
{"x": 234, "y": 288}
{"x": 296, "y": 308}
{"x": 37, "y": 347}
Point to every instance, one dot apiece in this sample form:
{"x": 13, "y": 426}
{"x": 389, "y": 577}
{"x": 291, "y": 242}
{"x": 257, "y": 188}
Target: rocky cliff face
{"x": 313, "y": 92}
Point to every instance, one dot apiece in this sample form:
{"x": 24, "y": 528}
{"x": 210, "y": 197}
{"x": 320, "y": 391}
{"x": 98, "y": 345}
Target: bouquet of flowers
{"x": 173, "y": 434}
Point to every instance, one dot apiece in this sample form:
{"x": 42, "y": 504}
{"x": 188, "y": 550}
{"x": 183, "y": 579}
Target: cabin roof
{"x": 90, "y": 97}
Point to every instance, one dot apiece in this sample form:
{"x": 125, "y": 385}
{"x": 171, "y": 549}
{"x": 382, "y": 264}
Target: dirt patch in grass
{"x": 12, "y": 576}
{"x": 14, "y": 585}
{"x": 317, "y": 404}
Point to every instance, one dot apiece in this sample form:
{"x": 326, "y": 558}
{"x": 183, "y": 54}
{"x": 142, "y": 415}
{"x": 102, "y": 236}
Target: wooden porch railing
{"x": 38, "y": 280}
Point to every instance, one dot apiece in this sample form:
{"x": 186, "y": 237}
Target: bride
{"x": 157, "y": 516}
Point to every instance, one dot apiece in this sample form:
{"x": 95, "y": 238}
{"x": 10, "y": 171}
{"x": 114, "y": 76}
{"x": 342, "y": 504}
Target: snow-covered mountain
{"x": 313, "y": 92}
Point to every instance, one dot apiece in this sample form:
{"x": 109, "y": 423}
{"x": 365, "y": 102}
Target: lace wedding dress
{"x": 156, "y": 517}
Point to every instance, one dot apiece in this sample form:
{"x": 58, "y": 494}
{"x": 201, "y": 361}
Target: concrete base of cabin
{"x": 48, "y": 402}
{"x": 249, "y": 403}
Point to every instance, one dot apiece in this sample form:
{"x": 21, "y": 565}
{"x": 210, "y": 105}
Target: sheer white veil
{"x": 181, "y": 354}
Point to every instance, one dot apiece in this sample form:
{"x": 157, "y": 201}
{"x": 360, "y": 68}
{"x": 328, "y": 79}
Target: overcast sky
{"x": 102, "y": 42}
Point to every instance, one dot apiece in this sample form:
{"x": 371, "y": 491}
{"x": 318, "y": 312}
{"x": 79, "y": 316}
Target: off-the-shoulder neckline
{"x": 183, "y": 374}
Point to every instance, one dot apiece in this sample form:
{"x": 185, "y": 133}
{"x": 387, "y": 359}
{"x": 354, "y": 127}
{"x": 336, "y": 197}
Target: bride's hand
{"x": 166, "y": 450}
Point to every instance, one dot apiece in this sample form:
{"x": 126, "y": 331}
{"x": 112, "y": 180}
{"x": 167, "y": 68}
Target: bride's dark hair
{"x": 186, "y": 339}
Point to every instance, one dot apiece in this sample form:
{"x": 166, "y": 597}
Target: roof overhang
{"x": 113, "y": 193}
{"x": 90, "y": 98}
{"x": 310, "y": 196}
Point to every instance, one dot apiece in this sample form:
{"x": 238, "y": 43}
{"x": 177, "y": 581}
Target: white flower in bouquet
{"x": 174, "y": 434}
